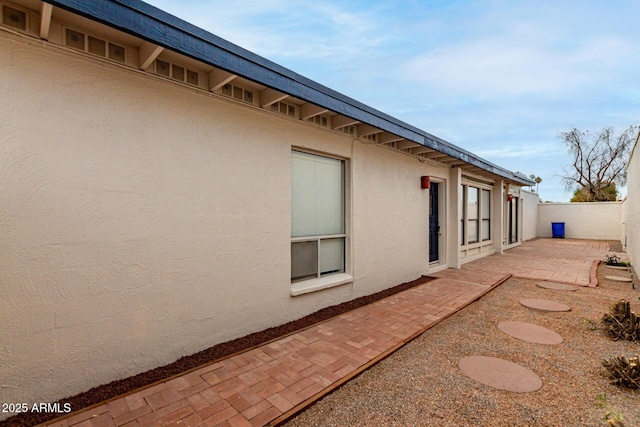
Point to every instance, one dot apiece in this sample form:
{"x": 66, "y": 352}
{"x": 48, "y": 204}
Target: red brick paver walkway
{"x": 570, "y": 261}
{"x": 269, "y": 383}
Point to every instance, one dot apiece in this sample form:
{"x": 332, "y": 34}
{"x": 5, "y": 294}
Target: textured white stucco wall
{"x": 530, "y": 202}
{"x": 390, "y": 216}
{"x": 631, "y": 209}
{"x": 142, "y": 221}
{"x": 595, "y": 220}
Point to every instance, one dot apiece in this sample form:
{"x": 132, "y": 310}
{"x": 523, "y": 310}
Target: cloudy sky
{"x": 499, "y": 78}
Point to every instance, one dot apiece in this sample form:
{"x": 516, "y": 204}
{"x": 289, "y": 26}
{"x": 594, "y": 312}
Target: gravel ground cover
{"x": 421, "y": 384}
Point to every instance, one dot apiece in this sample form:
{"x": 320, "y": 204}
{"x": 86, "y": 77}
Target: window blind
{"x": 317, "y": 206}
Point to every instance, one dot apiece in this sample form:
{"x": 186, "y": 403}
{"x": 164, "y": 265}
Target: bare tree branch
{"x": 599, "y": 161}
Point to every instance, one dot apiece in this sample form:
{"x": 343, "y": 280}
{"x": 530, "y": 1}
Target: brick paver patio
{"x": 570, "y": 261}
{"x": 268, "y": 384}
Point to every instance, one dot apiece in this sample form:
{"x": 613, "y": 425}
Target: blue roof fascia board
{"x": 156, "y": 26}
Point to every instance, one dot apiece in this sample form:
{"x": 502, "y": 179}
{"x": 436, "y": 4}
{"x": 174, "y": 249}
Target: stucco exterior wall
{"x": 630, "y": 209}
{"x": 143, "y": 221}
{"x": 594, "y": 220}
{"x": 390, "y": 217}
{"x": 530, "y": 201}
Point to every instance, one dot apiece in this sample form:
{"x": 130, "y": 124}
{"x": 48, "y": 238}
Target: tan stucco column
{"x": 455, "y": 216}
{"x": 498, "y": 215}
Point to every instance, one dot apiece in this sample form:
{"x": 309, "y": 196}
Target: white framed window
{"x": 473, "y": 209}
{"x": 94, "y": 45}
{"x": 486, "y": 215}
{"x": 317, "y": 216}
{"x": 475, "y": 214}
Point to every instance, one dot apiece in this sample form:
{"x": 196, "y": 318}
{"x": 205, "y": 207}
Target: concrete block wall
{"x": 596, "y": 220}
{"x": 530, "y": 201}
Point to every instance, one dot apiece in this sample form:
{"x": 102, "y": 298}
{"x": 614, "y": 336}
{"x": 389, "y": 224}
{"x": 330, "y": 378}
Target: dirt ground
{"x": 421, "y": 384}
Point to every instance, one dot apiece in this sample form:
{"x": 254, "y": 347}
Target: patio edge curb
{"x": 593, "y": 282}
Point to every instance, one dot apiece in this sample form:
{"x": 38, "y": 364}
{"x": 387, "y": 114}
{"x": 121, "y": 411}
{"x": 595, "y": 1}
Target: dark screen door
{"x": 434, "y": 223}
{"x": 513, "y": 220}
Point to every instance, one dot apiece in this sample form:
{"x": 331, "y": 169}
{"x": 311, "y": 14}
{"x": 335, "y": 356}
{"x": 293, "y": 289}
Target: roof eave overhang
{"x": 156, "y": 26}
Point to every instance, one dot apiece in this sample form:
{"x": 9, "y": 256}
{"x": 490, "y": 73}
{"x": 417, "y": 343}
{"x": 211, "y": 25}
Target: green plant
{"x": 615, "y": 260}
{"x": 589, "y": 324}
{"x": 611, "y": 416}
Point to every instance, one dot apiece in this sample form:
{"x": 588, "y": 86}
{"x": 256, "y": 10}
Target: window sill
{"x": 477, "y": 244}
{"x": 313, "y": 285}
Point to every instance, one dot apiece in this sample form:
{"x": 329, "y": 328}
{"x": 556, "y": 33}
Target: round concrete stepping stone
{"x": 529, "y": 332}
{"x": 619, "y": 279}
{"x": 544, "y": 305}
{"x": 557, "y": 286}
{"x": 500, "y": 374}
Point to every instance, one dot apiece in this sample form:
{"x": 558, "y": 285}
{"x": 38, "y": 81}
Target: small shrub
{"x": 615, "y": 261}
{"x": 623, "y": 372}
{"x": 621, "y": 322}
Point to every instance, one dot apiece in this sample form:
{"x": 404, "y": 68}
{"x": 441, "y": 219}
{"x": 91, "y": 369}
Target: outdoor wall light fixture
{"x": 425, "y": 182}
{"x": 509, "y": 197}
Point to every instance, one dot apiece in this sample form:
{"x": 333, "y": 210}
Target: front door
{"x": 434, "y": 223}
{"x": 513, "y": 220}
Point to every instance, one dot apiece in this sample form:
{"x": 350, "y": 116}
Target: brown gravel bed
{"x": 421, "y": 384}
{"x": 117, "y": 388}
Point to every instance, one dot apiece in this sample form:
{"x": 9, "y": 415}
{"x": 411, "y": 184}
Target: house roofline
{"x": 156, "y": 26}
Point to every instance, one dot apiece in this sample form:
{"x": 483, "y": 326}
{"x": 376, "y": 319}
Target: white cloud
{"x": 523, "y": 151}
{"x": 499, "y": 78}
{"x": 508, "y": 66}
{"x": 280, "y": 29}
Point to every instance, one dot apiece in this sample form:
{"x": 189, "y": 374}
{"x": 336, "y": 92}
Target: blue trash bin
{"x": 557, "y": 229}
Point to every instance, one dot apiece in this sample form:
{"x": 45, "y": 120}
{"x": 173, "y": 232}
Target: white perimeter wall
{"x": 631, "y": 209}
{"x": 142, "y": 221}
{"x": 530, "y": 202}
{"x": 593, "y": 220}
